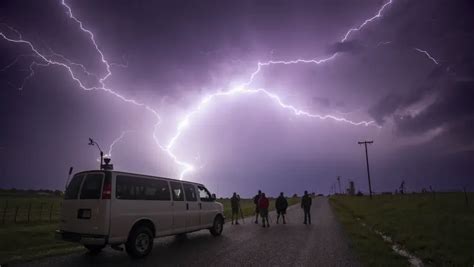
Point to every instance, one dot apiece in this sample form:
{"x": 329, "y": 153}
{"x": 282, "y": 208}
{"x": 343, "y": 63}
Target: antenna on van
{"x": 94, "y": 143}
{"x": 69, "y": 176}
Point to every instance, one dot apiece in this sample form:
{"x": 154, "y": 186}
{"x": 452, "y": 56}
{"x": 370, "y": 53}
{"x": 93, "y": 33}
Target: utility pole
{"x": 367, "y": 161}
{"x": 339, "y": 181}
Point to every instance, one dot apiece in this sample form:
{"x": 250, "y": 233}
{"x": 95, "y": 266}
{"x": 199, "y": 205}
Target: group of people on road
{"x": 262, "y": 204}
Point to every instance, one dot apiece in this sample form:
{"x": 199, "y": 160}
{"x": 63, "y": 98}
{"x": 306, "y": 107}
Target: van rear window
{"x": 136, "y": 188}
{"x": 91, "y": 188}
{"x": 73, "y": 188}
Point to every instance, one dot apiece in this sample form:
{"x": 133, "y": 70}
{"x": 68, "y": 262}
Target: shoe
{"x": 263, "y": 226}
{"x": 237, "y": 223}
{"x": 256, "y": 222}
{"x": 268, "y": 225}
{"x": 304, "y": 223}
{"x": 277, "y": 222}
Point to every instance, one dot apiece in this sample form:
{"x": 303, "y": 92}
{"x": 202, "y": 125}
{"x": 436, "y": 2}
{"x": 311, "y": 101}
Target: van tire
{"x": 217, "y": 226}
{"x": 94, "y": 249}
{"x": 140, "y": 242}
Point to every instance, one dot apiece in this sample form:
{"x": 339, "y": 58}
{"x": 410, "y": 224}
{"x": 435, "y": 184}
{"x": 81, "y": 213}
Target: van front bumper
{"x": 86, "y": 239}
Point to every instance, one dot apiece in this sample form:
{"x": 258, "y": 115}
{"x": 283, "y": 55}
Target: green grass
{"x": 22, "y": 242}
{"x": 40, "y": 209}
{"x": 26, "y": 241}
{"x": 438, "y": 229}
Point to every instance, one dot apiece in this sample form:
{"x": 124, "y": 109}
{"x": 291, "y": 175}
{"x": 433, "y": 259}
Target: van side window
{"x": 158, "y": 190}
{"x": 190, "y": 192}
{"x": 124, "y": 188}
{"x": 129, "y": 187}
{"x": 73, "y": 188}
{"x": 177, "y": 190}
{"x": 91, "y": 188}
{"x": 204, "y": 195}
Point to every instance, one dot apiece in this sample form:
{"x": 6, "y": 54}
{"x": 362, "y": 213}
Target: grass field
{"x": 24, "y": 241}
{"x": 29, "y": 209}
{"x": 438, "y": 229}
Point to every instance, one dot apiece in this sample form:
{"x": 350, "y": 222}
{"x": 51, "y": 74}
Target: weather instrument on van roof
{"x": 102, "y": 166}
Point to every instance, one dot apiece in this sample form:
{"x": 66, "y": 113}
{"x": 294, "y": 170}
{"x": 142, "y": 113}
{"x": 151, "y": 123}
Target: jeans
{"x": 307, "y": 214}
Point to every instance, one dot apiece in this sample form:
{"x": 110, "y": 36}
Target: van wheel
{"x": 94, "y": 249}
{"x": 217, "y": 227}
{"x": 140, "y": 242}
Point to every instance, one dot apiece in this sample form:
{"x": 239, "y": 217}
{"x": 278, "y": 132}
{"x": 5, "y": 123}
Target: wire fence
{"x": 29, "y": 211}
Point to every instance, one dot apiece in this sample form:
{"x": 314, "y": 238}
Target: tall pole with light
{"x": 94, "y": 143}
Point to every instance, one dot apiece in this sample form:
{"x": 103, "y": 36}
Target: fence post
{"x": 16, "y": 212}
{"x": 5, "y": 211}
{"x": 41, "y": 212}
{"x": 29, "y": 211}
{"x": 51, "y": 212}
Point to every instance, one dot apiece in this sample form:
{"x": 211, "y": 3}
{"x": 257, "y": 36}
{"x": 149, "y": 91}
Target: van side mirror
{"x": 213, "y": 197}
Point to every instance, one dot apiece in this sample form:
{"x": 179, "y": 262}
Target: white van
{"x": 112, "y": 208}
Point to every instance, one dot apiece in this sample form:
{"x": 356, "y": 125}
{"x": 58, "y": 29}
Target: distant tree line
{"x": 31, "y": 192}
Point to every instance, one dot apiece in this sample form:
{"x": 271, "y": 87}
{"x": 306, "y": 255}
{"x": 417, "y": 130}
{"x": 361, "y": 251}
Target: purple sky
{"x": 169, "y": 55}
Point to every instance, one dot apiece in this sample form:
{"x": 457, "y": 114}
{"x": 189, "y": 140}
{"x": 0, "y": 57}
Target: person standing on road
{"x": 263, "y": 204}
{"x": 235, "y": 205}
{"x": 281, "y": 205}
{"x": 306, "y": 202}
{"x": 255, "y": 201}
{"x": 240, "y": 209}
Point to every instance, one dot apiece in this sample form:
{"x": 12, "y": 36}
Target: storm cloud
{"x": 169, "y": 55}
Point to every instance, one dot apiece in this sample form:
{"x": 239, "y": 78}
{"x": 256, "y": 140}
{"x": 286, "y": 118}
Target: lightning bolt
{"x": 243, "y": 89}
{"x": 116, "y": 140}
{"x": 427, "y": 55}
{"x": 48, "y": 60}
{"x": 61, "y": 61}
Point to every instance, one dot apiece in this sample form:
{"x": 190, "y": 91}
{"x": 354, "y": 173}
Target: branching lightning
{"x": 68, "y": 65}
{"x": 243, "y": 89}
{"x": 427, "y": 55}
{"x": 71, "y": 67}
{"x": 116, "y": 140}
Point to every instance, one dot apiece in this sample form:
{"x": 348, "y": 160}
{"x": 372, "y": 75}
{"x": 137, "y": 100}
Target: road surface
{"x": 294, "y": 244}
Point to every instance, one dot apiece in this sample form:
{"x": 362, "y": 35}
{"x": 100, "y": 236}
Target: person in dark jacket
{"x": 281, "y": 205}
{"x": 306, "y": 202}
{"x": 263, "y": 204}
{"x": 255, "y": 201}
{"x": 235, "y": 205}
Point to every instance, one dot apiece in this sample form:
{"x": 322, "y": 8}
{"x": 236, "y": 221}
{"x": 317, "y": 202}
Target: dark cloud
{"x": 452, "y": 108}
{"x": 385, "y": 107}
{"x": 352, "y": 46}
{"x": 177, "y": 52}
{"x": 321, "y": 101}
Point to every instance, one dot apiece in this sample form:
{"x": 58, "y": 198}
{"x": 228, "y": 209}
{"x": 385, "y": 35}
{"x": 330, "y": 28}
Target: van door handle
{"x": 187, "y": 206}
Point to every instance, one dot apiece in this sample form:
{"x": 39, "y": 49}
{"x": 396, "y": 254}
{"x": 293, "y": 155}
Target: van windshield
{"x": 73, "y": 188}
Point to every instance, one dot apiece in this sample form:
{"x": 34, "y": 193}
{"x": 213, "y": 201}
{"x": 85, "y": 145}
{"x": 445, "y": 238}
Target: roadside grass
{"x": 437, "y": 228}
{"x": 15, "y": 209}
{"x": 23, "y": 242}
{"x": 369, "y": 247}
{"x": 28, "y": 241}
